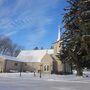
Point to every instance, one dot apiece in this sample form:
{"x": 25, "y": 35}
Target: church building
{"x": 44, "y": 61}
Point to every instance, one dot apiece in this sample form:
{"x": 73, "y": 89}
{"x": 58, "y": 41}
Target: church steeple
{"x": 58, "y": 43}
{"x": 59, "y": 33}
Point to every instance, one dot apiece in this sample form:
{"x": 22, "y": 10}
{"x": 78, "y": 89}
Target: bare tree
{"x": 7, "y": 47}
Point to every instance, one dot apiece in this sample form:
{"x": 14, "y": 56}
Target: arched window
{"x": 46, "y": 68}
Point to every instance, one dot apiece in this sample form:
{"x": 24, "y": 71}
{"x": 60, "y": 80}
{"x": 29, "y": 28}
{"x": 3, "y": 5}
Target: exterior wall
{"x": 47, "y": 64}
{"x": 2, "y": 61}
{"x": 58, "y": 65}
{"x": 57, "y": 47}
{"x": 12, "y": 66}
{"x": 31, "y": 66}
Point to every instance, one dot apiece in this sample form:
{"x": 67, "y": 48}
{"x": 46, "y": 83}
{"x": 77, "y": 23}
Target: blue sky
{"x": 31, "y": 23}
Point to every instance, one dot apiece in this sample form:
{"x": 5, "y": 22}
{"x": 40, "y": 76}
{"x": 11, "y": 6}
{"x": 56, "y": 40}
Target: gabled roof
{"x": 33, "y": 55}
{"x": 6, "y": 57}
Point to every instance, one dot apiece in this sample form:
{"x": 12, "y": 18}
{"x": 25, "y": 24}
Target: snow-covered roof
{"x": 33, "y": 55}
{"x": 29, "y": 55}
{"x": 6, "y": 57}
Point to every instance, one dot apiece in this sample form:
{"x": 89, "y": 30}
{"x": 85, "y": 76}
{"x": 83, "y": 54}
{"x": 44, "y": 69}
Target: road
{"x": 40, "y": 84}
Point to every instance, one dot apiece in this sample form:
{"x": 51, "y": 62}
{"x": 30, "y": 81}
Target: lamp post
{"x": 21, "y": 67}
{"x": 40, "y": 70}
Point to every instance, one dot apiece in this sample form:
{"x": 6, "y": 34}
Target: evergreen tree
{"x": 36, "y": 48}
{"x": 76, "y": 38}
{"x": 42, "y": 48}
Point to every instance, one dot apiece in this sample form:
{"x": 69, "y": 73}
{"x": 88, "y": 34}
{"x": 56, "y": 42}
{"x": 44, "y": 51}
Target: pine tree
{"x": 76, "y": 38}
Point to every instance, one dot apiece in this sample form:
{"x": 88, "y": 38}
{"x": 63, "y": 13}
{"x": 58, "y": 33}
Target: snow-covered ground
{"x": 13, "y": 81}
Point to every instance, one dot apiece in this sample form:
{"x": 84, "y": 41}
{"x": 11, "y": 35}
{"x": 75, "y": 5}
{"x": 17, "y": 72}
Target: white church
{"x": 44, "y": 61}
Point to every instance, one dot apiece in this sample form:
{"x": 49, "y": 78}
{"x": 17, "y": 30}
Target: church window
{"x": 15, "y": 64}
{"x": 46, "y": 68}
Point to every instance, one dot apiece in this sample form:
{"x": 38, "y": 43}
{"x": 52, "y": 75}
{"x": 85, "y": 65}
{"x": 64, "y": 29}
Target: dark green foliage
{"x": 76, "y": 38}
{"x": 36, "y": 48}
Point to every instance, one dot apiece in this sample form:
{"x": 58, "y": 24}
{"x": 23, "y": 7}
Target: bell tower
{"x": 58, "y": 43}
